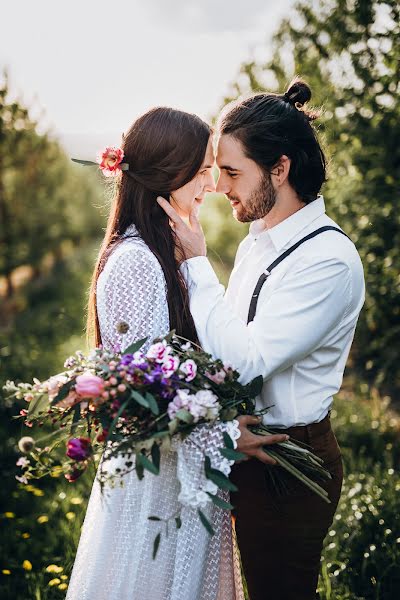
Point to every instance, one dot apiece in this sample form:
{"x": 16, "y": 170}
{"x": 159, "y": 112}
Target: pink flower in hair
{"x": 110, "y": 160}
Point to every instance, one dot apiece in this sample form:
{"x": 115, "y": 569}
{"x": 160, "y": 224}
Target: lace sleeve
{"x": 132, "y": 290}
{"x": 205, "y": 440}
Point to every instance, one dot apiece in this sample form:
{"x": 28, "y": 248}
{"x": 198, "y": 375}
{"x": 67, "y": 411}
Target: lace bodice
{"x": 132, "y": 289}
{"x": 114, "y": 557}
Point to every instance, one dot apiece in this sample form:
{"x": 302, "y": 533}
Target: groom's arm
{"x": 312, "y": 299}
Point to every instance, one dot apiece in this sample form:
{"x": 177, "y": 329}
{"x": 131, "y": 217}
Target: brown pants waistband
{"x": 307, "y": 432}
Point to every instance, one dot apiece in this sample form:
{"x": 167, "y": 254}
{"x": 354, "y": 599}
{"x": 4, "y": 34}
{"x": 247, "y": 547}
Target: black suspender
{"x": 263, "y": 278}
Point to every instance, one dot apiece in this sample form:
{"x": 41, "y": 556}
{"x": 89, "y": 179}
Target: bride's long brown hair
{"x": 164, "y": 148}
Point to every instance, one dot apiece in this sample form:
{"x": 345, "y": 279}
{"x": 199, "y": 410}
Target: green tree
{"x": 348, "y": 51}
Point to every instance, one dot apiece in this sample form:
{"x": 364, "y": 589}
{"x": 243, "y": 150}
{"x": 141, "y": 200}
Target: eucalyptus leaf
{"x": 63, "y": 392}
{"x": 205, "y": 522}
{"x": 156, "y": 545}
{"x": 134, "y": 347}
{"x": 139, "y": 399}
{"x": 76, "y": 418}
{"x": 147, "y": 464}
{"x": 152, "y": 404}
{"x": 153, "y": 518}
{"x": 228, "y": 440}
{"x": 37, "y": 405}
{"x": 256, "y": 386}
{"x": 218, "y": 477}
{"x": 184, "y": 415}
{"x": 156, "y": 455}
{"x": 85, "y": 163}
{"x": 178, "y": 522}
{"x": 220, "y": 502}
{"x": 231, "y": 454}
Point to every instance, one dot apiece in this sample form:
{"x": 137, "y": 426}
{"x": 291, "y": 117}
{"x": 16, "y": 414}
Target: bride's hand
{"x": 251, "y": 444}
{"x": 191, "y": 238}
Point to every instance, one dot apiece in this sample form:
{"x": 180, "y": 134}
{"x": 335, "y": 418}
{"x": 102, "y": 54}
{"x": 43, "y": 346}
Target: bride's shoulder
{"x": 132, "y": 254}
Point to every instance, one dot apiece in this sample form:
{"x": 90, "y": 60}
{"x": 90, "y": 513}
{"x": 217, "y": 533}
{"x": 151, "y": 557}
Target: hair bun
{"x": 298, "y": 91}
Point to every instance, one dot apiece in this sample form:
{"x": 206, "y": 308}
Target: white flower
{"x": 181, "y": 400}
{"x": 22, "y": 462}
{"x": 186, "y": 347}
{"x": 21, "y": 479}
{"x": 207, "y": 404}
{"x": 159, "y": 351}
{"x": 169, "y": 365}
{"x": 189, "y": 368}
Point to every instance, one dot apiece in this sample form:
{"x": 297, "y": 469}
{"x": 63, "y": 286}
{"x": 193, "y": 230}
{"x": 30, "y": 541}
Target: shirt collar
{"x": 284, "y": 232}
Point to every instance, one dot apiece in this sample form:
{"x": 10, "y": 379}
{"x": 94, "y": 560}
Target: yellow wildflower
{"x": 38, "y": 492}
{"x": 56, "y": 472}
{"x": 70, "y": 515}
{"x": 26, "y": 535}
{"x": 54, "y": 569}
{"x": 76, "y": 500}
{"x": 6, "y": 572}
{"x": 42, "y": 519}
{"x": 62, "y": 586}
{"x": 27, "y": 565}
{"x": 64, "y": 577}
{"x": 53, "y": 582}
{"x": 9, "y": 515}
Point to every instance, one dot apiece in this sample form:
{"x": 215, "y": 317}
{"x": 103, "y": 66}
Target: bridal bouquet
{"x": 135, "y": 404}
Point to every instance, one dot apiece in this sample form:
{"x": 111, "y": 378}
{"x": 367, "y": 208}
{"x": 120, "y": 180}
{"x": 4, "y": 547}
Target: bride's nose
{"x": 209, "y": 184}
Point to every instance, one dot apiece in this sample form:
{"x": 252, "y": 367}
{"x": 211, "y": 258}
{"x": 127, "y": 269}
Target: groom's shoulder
{"x": 335, "y": 245}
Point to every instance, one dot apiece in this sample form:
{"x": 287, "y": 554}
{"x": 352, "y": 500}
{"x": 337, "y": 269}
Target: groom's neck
{"x": 287, "y": 203}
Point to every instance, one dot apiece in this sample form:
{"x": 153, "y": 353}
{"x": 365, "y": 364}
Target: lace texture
{"x": 114, "y": 556}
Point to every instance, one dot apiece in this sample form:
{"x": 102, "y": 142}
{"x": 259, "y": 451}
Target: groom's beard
{"x": 259, "y": 204}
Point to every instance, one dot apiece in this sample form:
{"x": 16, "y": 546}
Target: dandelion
{"x": 27, "y": 565}
{"x": 54, "y": 569}
{"x": 42, "y": 519}
{"x": 26, "y": 444}
{"x": 54, "y": 582}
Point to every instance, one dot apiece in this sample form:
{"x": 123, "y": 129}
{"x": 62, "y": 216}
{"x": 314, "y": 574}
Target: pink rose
{"x": 89, "y": 385}
{"x": 158, "y": 351}
{"x": 189, "y": 368}
{"x": 110, "y": 160}
{"x": 170, "y": 365}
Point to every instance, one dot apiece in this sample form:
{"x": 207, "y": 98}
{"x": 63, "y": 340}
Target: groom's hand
{"x": 191, "y": 238}
{"x": 252, "y": 444}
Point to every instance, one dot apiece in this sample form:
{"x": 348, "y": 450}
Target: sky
{"x": 93, "y": 66}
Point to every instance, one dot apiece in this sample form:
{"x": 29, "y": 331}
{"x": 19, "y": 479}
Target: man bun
{"x": 298, "y": 94}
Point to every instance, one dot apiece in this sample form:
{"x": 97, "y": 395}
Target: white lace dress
{"x": 114, "y": 557}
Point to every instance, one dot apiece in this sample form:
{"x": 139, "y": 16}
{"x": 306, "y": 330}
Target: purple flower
{"x": 79, "y": 448}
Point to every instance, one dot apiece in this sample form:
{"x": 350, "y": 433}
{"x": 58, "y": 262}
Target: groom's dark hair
{"x": 271, "y": 125}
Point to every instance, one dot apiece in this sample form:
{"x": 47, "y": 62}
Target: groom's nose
{"x": 222, "y": 185}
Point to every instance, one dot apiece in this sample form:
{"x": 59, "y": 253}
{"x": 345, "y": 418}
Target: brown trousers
{"x": 280, "y": 537}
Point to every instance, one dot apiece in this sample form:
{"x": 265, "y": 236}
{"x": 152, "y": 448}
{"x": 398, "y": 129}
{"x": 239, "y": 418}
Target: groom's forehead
{"x": 229, "y": 152}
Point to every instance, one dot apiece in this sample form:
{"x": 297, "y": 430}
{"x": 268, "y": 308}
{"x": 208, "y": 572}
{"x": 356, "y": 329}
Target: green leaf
{"x": 152, "y": 404}
{"x": 85, "y": 163}
{"x": 232, "y": 454}
{"x": 218, "y": 477}
{"x": 178, "y": 522}
{"x": 37, "y": 405}
{"x": 147, "y": 464}
{"x": 205, "y": 522}
{"x": 139, "y": 399}
{"x": 155, "y": 455}
{"x": 76, "y": 418}
{"x": 134, "y": 347}
{"x": 63, "y": 392}
{"x": 219, "y": 502}
{"x": 184, "y": 415}
{"x": 152, "y": 518}
{"x": 139, "y": 470}
{"x": 228, "y": 440}
{"x": 256, "y": 386}
{"x": 156, "y": 545}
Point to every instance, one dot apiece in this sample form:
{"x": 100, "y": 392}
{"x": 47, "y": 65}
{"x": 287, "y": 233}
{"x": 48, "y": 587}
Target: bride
{"x": 137, "y": 282}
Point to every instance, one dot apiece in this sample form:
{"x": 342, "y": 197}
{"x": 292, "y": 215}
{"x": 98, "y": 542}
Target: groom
{"x": 289, "y": 313}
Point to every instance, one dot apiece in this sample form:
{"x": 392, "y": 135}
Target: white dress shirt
{"x": 306, "y": 315}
